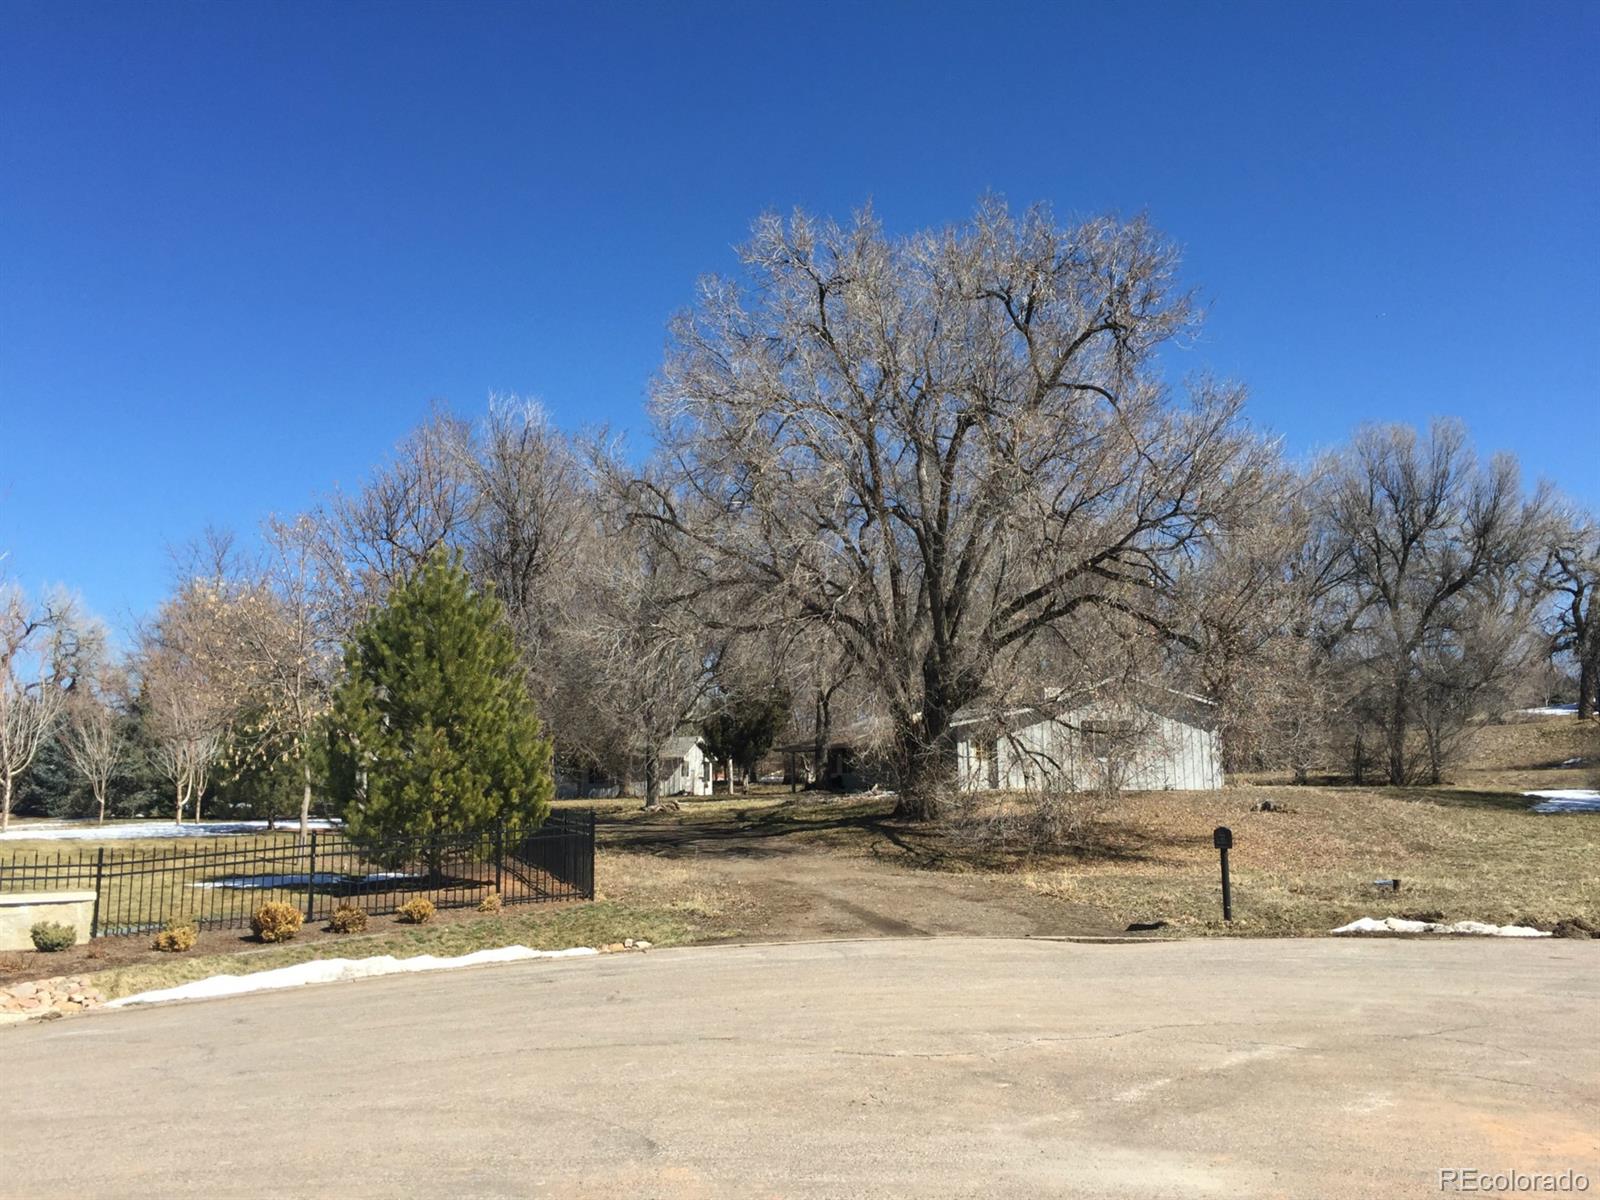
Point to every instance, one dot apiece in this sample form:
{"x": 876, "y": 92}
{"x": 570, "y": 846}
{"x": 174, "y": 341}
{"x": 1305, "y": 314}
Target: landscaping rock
{"x": 48, "y": 998}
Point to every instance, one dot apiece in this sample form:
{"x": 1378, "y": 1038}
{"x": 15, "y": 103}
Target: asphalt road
{"x": 945, "y": 1067}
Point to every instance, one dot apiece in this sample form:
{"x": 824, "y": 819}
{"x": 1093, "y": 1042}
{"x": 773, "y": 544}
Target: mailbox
{"x": 1222, "y": 838}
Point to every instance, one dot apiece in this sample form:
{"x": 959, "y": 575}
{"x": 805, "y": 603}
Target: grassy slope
{"x": 1460, "y": 854}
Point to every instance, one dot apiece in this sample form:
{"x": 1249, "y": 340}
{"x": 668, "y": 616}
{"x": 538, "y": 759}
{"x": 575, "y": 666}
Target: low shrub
{"x": 418, "y": 911}
{"x": 490, "y": 903}
{"x": 347, "y": 918}
{"x": 276, "y": 921}
{"x": 50, "y": 936}
{"x": 176, "y": 937}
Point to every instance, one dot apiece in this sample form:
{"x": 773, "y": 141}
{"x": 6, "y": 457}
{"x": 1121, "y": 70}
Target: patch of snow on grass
{"x": 89, "y": 831}
{"x": 334, "y": 970}
{"x": 1401, "y": 925}
{"x": 322, "y": 879}
{"x": 1551, "y": 710}
{"x": 1565, "y": 800}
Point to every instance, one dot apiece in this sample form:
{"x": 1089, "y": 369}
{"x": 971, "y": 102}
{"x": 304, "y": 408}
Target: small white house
{"x": 685, "y": 767}
{"x": 1162, "y": 741}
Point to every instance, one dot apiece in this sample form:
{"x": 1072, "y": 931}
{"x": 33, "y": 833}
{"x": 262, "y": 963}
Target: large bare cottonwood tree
{"x": 938, "y": 447}
{"x": 1443, "y": 549}
{"x": 1573, "y": 575}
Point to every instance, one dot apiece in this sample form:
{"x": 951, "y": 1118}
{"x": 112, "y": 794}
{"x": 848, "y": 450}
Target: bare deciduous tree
{"x": 640, "y": 663}
{"x": 1435, "y": 539}
{"x": 943, "y": 446}
{"x": 35, "y": 647}
{"x": 189, "y": 692}
{"x": 96, "y": 739}
{"x": 412, "y": 505}
{"x": 1573, "y": 573}
{"x": 274, "y": 641}
{"x": 532, "y": 521}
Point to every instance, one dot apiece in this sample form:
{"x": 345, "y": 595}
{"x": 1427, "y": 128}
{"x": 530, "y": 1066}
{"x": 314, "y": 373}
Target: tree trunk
{"x": 1396, "y": 734}
{"x": 100, "y": 800}
{"x": 1588, "y": 684}
{"x": 1435, "y": 757}
{"x": 926, "y": 765}
{"x": 652, "y": 778}
{"x": 305, "y": 794}
{"x": 5, "y": 802}
{"x": 178, "y": 802}
{"x": 821, "y": 727}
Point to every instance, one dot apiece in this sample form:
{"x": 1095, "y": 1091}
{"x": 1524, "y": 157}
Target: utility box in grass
{"x": 21, "y": 911}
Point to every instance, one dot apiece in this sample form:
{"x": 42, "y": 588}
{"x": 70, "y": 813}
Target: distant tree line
{"x": 893, "y": 478}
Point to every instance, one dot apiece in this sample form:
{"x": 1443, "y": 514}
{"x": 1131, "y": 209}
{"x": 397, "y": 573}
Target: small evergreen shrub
{"x": 490, "y": 903}
{"x": 176, "y": 937}
{"x": 50, "y": 936}
{"x": 276, "y": 921}
{"x": 418, "y": 911}
{"x": 347, "y": 918}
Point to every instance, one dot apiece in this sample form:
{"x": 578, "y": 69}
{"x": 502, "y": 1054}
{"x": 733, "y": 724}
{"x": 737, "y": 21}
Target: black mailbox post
{"x": 1222, "y": 839}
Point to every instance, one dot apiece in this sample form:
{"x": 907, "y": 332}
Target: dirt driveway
{"x": 840, "y": 876}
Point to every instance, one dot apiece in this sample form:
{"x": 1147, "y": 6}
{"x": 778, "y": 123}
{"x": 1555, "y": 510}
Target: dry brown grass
{"x": 671, "y": 885}
{"x": 1461, "y": 854}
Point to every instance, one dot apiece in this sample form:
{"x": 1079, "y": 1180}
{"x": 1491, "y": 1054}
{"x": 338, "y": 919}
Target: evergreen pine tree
{"x": 434, "y": 731}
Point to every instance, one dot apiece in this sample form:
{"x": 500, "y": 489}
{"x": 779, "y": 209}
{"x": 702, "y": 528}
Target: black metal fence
{"x": 220, "y": 884}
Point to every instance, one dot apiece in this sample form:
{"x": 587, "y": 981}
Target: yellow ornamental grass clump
{"x": 176, "y": 937}
{"x": 347, "y": 918}
{"x": 276, "y": 921}
{"x": 490, "y": 903}
{"x": 418, "y": 911}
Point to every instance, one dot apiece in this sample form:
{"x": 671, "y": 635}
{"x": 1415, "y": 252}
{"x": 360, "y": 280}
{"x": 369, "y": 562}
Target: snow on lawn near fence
{"x": 1563, "y": 800}
{"x": 1401, "y": 925}
{"x": 1551, "y": 710}
{"x": 89, "y": 831}
{"x": 322, "y": 879}
{"x": 335, "y": 970}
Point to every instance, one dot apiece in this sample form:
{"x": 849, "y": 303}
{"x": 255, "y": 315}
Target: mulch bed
{"x": 106, "y": 953}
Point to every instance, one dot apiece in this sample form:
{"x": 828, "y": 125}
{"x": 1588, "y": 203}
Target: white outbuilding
{"x": 1145, "y": 738}
{"x": 685, "y": 767}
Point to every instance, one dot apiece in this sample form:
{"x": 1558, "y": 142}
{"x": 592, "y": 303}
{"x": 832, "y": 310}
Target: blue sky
{"x": 243, "y": 246}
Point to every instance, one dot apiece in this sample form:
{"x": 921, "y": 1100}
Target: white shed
{"x": 685, "y": 768}
{"x": 1161, "y": 741}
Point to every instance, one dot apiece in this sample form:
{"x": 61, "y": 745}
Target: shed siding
{"x": 1171, "y": 755}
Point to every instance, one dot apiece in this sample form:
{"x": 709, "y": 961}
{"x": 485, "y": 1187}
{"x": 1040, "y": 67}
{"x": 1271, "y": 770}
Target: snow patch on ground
{"x": 1563, "y": 800}
{"x": 1401, "y": 925}
{"x": 320, "y": 879}
{"x": 335, "y": 970}
{"x": 1551, "y": 710}
{"x": 89, "y": 831}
